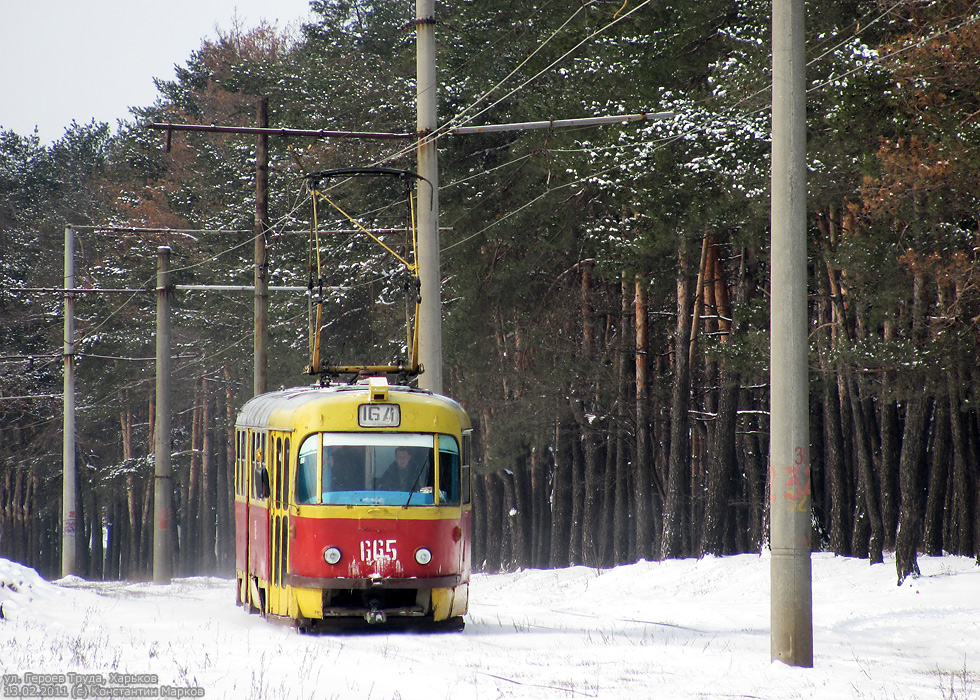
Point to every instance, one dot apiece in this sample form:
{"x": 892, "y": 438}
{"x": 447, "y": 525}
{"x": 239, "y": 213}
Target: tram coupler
{"x": 375, "y": 616}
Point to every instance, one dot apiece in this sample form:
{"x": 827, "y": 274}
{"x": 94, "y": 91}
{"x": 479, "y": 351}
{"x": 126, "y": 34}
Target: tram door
{"x": 242, "y": 487}
{"x": 256, "y": 479}
{"x": 278, "y": 523}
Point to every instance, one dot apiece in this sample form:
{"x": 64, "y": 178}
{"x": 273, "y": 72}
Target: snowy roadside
{"x": 680, "y": 629}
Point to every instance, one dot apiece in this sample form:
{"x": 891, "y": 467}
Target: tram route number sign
{"x": 379, "y": 415}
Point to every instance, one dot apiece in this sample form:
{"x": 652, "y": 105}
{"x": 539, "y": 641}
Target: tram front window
{"x": 378, "y": 469}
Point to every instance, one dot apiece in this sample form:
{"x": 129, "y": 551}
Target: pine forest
{"x": 604, "y": 288}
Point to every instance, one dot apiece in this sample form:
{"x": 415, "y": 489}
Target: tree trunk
{"x": 133, "y": 567}
{"x": 208, "y": 483}
{"x": 226, "y": 484}
{"x": 849, "y": 525}
{"x": 963, "y": 485}
{"x": 935, "y": 510}
{"x": 523, "y": 526}
{"x": 618, "y": 477}
{"x": 718, "y": 519}
{"x": 912, "y": 466}
{"x": 192, "y": 489}
{"x": 575, "y": 554}
{"x": 911, "y": 471}
{"x": 588, "y": 502}
{"x": 495, "y": 526}
{"x": 700, "y": 292}
{"x": 607, "y": 495}
{"x": 890, "y": 452}
{"x": 561, "y": 518}
{"x": 114, "y": 540}
{"x": 867, "y": 484}
{"x": 508, "y": 520}
{"x": 643, "y": 458}
{"x": 541, "y": 508}
{"x": 7, "y": 511}
{"x": 722, "y": 462}
{"x": 19, "y": 547}
{"x": 480, "y": 526}
{"x": 840, "y": 497}
{"x": 144, "y": 561}
{"x": 678, "y": 470}
{"x": 97, "y": 566}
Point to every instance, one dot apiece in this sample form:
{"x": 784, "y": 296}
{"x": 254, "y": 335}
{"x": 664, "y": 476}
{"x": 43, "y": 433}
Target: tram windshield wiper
{"x": 415, "y": 484}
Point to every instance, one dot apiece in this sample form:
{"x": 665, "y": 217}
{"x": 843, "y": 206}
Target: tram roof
{"x": 258, "y": 410}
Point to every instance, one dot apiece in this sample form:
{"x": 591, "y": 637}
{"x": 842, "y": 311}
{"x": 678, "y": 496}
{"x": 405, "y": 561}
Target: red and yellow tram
{"x": 352, "y": 502}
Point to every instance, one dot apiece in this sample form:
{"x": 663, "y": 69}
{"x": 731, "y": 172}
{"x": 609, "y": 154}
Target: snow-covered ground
{"x": 671, "y": 629}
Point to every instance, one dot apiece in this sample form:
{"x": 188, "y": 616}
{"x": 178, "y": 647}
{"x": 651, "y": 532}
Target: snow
{"x": 672, "y": 629}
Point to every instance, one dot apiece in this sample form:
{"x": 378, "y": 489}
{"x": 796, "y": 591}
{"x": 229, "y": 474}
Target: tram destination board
{"x": 379, "y": 415}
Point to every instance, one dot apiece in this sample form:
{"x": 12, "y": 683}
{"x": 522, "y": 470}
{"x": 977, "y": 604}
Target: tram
{"x": 352, "y": 499}
{"x": 352, "y": 502}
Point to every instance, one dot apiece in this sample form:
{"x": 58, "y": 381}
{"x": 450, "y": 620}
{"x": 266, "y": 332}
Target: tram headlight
{"x": 331, "y": 555}
{"x": 423, "y": 556}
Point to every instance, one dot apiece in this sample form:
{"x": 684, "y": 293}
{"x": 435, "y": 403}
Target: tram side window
{"x": 241, "y": 463}
{"x": 306, "y": 491}
{"x": 238, "y": 463}
{"x": 449, "y": 486}
{"x": 260, "y": 471}
{"x": 253, "y": 463}
{"x": 465, "y": 476}
{"x": 278, "y": 471}
{"x": 285, "y": 470}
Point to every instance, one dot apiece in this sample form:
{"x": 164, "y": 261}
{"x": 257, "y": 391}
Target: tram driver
{"x": 403, "y": 474}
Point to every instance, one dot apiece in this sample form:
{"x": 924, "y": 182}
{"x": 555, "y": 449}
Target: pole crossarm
{"x": 32, "y": 396}
{"x": 176, "y": 287}
{"x": 190, "y": 233}
{"x": 240, "y": 288}
{"x": 270, "y": 131}
{"x": 562, "y": 123}
{"x": 79, "y": 290}
{"x": 156, "y": 230}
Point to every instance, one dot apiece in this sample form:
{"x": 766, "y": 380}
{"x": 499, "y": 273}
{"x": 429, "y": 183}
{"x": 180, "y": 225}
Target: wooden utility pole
{"x": 68, "y": 497}
{"x": 791, "y": 635}
{"x": 261, "y": 260}
{"x": 430, "y": 312}
{"x": 163, "y": 469}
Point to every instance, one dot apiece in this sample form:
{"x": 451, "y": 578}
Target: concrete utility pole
{"x": 261, "y": 338}
{"x": 163, "y": 469}
{"x": 430, "y": 313}
{"x": 68, "y": 469}
{"x": 791, "y": 636}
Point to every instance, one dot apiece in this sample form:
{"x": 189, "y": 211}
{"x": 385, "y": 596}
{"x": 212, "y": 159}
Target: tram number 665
{"x": 378, "y": 550}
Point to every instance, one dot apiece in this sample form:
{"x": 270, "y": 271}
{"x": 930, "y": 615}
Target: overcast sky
{"x": 64, "y": 60}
